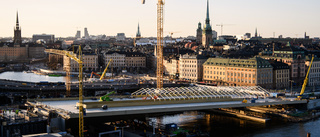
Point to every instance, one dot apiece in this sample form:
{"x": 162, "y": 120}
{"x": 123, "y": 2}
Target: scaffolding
{"x": 201, "y": 92}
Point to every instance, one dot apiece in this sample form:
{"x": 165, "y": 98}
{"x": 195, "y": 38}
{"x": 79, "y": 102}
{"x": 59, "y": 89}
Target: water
{"x": 29, "y": 77}
{"x": 220, "y": 125}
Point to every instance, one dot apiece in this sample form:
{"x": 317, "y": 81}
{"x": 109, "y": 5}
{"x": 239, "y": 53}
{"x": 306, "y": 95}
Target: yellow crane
{"x": 77, "y": 58}
{"x": 105, "y": 70}
{"x": 159, "y": 43}
{"x": 305, "y": 80}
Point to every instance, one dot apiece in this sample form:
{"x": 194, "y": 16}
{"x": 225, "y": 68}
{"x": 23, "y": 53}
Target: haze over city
{"x": 63, "y": 18}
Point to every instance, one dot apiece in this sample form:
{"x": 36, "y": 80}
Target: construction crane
{"x": 159, "y": 43}
{"x": 221, "y": 25}
{"x": 305, "y": 80}
{"x": 105, "y": 70}
{"x": 77, "y": 58}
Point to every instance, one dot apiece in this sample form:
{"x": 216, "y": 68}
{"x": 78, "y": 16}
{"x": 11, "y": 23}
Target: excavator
{"x": 93, "y": 73}
{"x": 106, "y": 97}
{"x": 300, "y": 97}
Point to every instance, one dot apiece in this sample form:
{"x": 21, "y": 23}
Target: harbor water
{"x": 217, "y": 125}
{"x": 29, "y": 77}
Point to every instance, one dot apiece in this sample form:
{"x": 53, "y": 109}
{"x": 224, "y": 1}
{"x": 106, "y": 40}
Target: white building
{"x": 190, "y": 67}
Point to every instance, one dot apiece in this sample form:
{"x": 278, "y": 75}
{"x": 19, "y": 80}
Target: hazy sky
{"x": 291, "y": 18}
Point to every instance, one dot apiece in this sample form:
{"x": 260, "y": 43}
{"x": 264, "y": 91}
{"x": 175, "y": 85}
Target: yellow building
{"x": 238, "y": 72}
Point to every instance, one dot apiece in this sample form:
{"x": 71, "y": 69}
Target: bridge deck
{"x": 112, "y": 111}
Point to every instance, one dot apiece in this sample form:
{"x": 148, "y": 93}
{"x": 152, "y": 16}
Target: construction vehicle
{"x": 106, "y": 97}
{"x": 301, "y": 96}
{"x": 93, "y": 73}
{"x": 105, "y": 70}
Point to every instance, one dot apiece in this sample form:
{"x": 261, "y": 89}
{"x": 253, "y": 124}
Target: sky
{"x": 290, "y": 18}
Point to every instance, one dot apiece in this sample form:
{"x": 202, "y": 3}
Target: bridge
{"x": 152, "y": 100}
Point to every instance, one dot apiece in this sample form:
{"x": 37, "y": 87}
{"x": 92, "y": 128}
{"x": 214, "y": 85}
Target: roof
{"x": 128, "y": 54}
{"x": 255, "y": 62}
{"x": 278, "y": 65}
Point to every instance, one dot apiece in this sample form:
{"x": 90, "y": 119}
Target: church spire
{"x": 207, "y": 19}
{"x": 138, "y": 32}
{"x": 17, "y": 21}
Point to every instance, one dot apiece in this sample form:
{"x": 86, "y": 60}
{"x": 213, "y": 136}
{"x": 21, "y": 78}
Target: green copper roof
{"x": 255, "y": 62}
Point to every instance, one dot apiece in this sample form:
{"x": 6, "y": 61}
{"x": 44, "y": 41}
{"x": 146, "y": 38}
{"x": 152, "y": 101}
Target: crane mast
{"x": 160, "y": 44}
{"x": 159, "y": 49}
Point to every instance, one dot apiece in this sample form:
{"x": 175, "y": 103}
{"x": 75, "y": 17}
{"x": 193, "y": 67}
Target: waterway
{"x": 29, "y": 77}
{"x": 220, "y": 125}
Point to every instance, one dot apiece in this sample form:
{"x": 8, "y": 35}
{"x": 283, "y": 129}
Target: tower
{"x": 78, "y": 34}
{"x": 138, "y": 35}
{"x": 86, "y": 33}
{"x": 207, "y": 30}
{"x": 199, "y": 33}
{"x": 17, "y": 33}
{"x": 256, "y": 33}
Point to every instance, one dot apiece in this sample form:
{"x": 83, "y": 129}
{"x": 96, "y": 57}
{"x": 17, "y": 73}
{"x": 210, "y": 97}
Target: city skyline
{"x": 63, "y": 18}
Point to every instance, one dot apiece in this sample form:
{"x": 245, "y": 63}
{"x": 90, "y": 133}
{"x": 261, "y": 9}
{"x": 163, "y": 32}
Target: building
{"x": 171, "y": 67}
{"x": 125, "y": 60}
{"x": 17, "y": 33}
{"x": 199, "y": 34}
{"x": 247, "y": 36}
{"x": 135, "y": 61}
{"x": 207, "y": 30}
{"x": 295, "y": 58}
{"x": 314, "y": 74}
{"x": 47, "y": 38}
{"x": 281, "y": 74}
{"x": 86, "y": 33}
{"x": 11, "y": 52}
{"x": 238, "y": 72}
{"x": 138, "y": 35}
{"x": 78, "y": 34}
{"x": 214, "y": 34}
{"x": 36, "y": 51}
{"x": 120, "y": 37}
{"x": 190, "y": 67}
{"x": 90, "y": 62}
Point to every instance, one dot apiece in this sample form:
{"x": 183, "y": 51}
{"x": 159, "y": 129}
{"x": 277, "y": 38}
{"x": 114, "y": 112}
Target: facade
{"x": 238, "y": 72}
{"x": 17, "y": 33}
{"x": 78, "y": 34}
{"x": 135, "y": 61}
{"x": 36, "y": 51}
{"x": 295, "y": 58}
{"x": 207, "y": 31}
{"x": 190, "y": 67}
{"x": 90, "y": 62}
{"x": 314, "y": 74}
{"x": 125, "y": 60}
{"x": 45, "y": 37}
{"x": 199, "y": 33}
{"x": 171, "y": 67}
{"x": 11, "y": 52}
{"x": 121, "y": 37}
{"x": 86, "y": 33}
{"x": 281, "y": 74}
